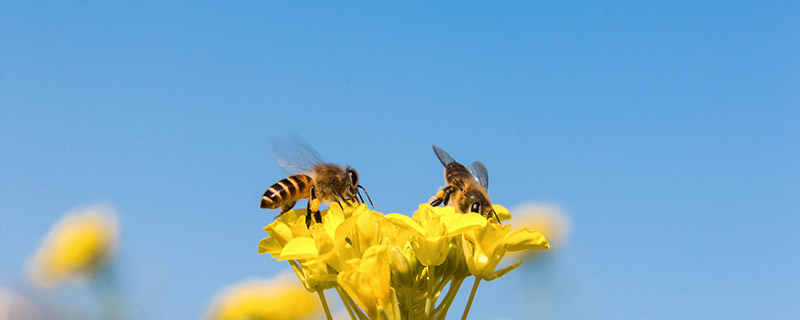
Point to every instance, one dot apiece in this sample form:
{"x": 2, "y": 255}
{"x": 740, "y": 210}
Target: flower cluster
{"x": 393, "y": 266}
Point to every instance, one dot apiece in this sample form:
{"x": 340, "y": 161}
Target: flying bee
{"x": 311, "y": 179}
{"x": 466, "y": 188}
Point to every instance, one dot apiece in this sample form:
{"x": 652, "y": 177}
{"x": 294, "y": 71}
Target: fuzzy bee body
{"x": 457, "y": 174}
{"x": 312, "y": 179}
{"x": 466, "y": 188}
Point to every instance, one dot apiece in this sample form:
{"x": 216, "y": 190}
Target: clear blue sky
{"x": 668, "y": 132}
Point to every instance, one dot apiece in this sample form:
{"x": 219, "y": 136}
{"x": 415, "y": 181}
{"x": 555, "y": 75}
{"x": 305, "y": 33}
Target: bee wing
{"x": 443, "y": 156}
{"x": 480, "y": 174}
{"x": 294, "y": 155}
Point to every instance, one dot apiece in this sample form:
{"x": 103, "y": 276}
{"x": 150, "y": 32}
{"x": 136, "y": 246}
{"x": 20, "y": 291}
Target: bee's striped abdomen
{"x": 286, "y": 191}
{"x": 456, "y": 174}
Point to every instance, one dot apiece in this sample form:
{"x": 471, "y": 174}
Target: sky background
{"x": 669, "y": 133}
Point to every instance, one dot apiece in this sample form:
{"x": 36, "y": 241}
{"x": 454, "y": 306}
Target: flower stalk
{"x": 471, "y": 298}
{"x": 431, "y": 298}
{"x": 324, "y": 304}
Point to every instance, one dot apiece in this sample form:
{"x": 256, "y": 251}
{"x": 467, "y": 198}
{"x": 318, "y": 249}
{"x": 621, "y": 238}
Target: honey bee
{"x": 311, "y": 179}
{"x": 466, "y": 188}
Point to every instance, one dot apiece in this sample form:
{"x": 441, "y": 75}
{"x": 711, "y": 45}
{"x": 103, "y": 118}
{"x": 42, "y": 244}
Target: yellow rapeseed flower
{"x": 367, "y": 281}
{"x": 485, "y": 247}
{"x": 76, "y": 247}
{"x": 394, "y": 266}
{"x": 319, "y": 251}
{"x": 258, "y": 299}
{"x": 432, "y": 228}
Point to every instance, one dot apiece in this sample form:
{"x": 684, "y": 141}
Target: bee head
{"x": 478, "y": 202}
{"x": 351, "y": 178}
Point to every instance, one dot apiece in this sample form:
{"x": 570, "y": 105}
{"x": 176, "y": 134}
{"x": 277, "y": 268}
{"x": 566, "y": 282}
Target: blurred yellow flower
{"x": 258, "y": 299}
{"x": 76, "y": 247}
{"x": 547, "y": 219}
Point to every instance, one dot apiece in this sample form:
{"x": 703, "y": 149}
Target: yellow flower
{"x": 485, "y": 247}
{"x": 76, "y": 247}
{"x": 281, "y": 231}
{"x": 433, "y": 227}
{"x": 321, "y": 249}
{"x": 275, "y": 299}
{"x": 368, "y": 281}
{"x": 394, "y": 266}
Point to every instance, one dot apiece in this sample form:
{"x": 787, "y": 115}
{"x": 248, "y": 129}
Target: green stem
{"x": 299, "y": 272}
{"x": 471, "y": 297}
{"x": 409, "y": 305}
{"x": 347, "y": 305}
{"x": 431, "y": 288}
{"x": 324, "y": 304}
{"x": 441, "y": 311}
{"x": 359, "y": 314}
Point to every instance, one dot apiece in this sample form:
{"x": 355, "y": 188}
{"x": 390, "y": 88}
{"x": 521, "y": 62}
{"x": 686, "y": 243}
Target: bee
{"x": 466, "y": 188}
{"x": 311, "y": 179}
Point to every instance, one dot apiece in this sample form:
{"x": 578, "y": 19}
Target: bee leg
{"x": 313, "y": 207}
{"x": 317, "y": 217}
{"x": 354, "y": 195}
{"x": 437, "y": 199}
{"x": 443, "y": 196}
{"x": 447, "y": 195}
{"x": 341, "y": 199}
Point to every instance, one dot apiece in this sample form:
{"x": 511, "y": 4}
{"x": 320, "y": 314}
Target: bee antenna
{"x": 368, "y": 198}
{"x": 496, "y": 217}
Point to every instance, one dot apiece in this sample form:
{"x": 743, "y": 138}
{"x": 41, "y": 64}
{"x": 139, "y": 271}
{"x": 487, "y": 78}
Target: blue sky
{"x": 668, "y": 132}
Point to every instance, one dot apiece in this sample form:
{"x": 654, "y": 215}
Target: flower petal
{"x": 404, "y": 222}
{"x": 502, "y": 212}
{"x": 368, "y": 280}
{"x": 465, "y": 222}
{"x": 525, "y": 239}
{"x": 280, "y": 231}
{"x": 270, "y": 245}
{"x": 299, "y": 248}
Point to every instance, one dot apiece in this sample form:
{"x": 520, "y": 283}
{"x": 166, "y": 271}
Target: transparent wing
{"x": 443, "y": 156}
{"x": 481, "y": 175}
{"x": 294, "y": 155}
